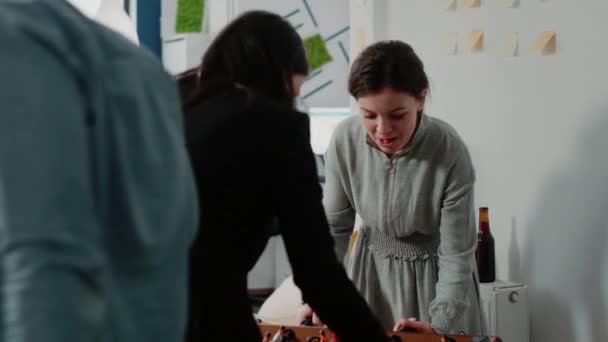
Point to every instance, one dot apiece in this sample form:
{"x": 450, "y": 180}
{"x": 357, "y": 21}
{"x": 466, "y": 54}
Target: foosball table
{"x": 277, "y": 333}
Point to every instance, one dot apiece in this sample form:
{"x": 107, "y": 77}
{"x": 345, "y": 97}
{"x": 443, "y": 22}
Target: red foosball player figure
{"x": 322, "y": 336}
{"x": 267, "y": 337}
{"x": 334, "y": 338}
{"x": 280, "y": 335}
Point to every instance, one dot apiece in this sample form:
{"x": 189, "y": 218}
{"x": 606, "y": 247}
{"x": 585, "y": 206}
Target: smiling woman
{"x": 410, "y": 179}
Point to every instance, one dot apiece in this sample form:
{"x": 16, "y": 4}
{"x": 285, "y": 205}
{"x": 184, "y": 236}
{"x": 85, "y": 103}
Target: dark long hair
{"x": 259, "y": 51}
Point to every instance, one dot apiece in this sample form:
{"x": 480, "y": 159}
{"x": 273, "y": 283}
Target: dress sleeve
{"x": 457, "y": 247}
{"x": 338, "y": 207}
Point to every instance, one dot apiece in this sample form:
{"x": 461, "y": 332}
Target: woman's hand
{"x": 411, "y": 324}
{"x": 305, "y": 313}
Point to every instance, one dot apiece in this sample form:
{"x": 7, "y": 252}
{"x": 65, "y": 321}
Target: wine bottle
{"x": 484, "y": 254}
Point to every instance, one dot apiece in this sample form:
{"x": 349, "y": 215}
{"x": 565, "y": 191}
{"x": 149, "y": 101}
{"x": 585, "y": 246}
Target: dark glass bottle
{"x": 484, "y": 254}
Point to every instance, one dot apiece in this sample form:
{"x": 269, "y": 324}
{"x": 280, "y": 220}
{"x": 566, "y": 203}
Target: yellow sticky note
{"x": 472, "y": 3}
{"x": 360, "y": 38}
{"x": 475, "y": 41}
{"x": 511, "y": 3}
{"x": 353, "y": 239}
{"x": 451, "y": 43}
{"x": 545, "y": 43}
{"x": 449, "y": 5}
{"x": 511, "y": 45}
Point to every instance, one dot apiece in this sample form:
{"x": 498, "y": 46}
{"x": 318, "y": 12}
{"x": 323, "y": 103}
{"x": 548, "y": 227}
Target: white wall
{"x": 537, "y": 130}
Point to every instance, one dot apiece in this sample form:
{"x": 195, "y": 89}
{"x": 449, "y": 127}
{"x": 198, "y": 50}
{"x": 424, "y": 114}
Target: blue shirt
{"x": 97, "y": 200}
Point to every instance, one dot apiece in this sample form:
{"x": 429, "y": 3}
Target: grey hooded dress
{"x": 414, "y": 255}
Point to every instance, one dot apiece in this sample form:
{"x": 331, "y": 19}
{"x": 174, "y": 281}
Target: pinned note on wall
{"x": 545, "y": 43}
{"x": 475, "y": 40}
{"x": 472, "y": 3}
{"x": 510, "y": 3}
{"x": 510, "y": 46}
{"x": 451, "y": 43}
{"x": 189, "y": 16}
{"x": 316, "y": 52}
{"x": 448, "y": 5}
{"x": 360, "y": 38}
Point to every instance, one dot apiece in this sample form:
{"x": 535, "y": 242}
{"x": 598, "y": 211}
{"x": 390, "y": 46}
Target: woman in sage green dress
{"x": 410, "y": 178}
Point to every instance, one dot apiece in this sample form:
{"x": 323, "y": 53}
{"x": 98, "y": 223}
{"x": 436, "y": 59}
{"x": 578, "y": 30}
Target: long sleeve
{"x": 338, "y": 208}
{"x": 317, "y": 272}
{"x": 457, "y": 247}
{"x": 51, "y": 260}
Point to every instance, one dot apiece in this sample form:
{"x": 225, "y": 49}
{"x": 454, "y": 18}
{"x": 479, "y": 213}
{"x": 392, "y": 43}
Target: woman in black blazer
{"x": 253, "y": 165}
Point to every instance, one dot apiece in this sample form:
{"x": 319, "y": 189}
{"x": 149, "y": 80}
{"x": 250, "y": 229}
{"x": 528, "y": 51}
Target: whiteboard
{"x": 329, "y": 18}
